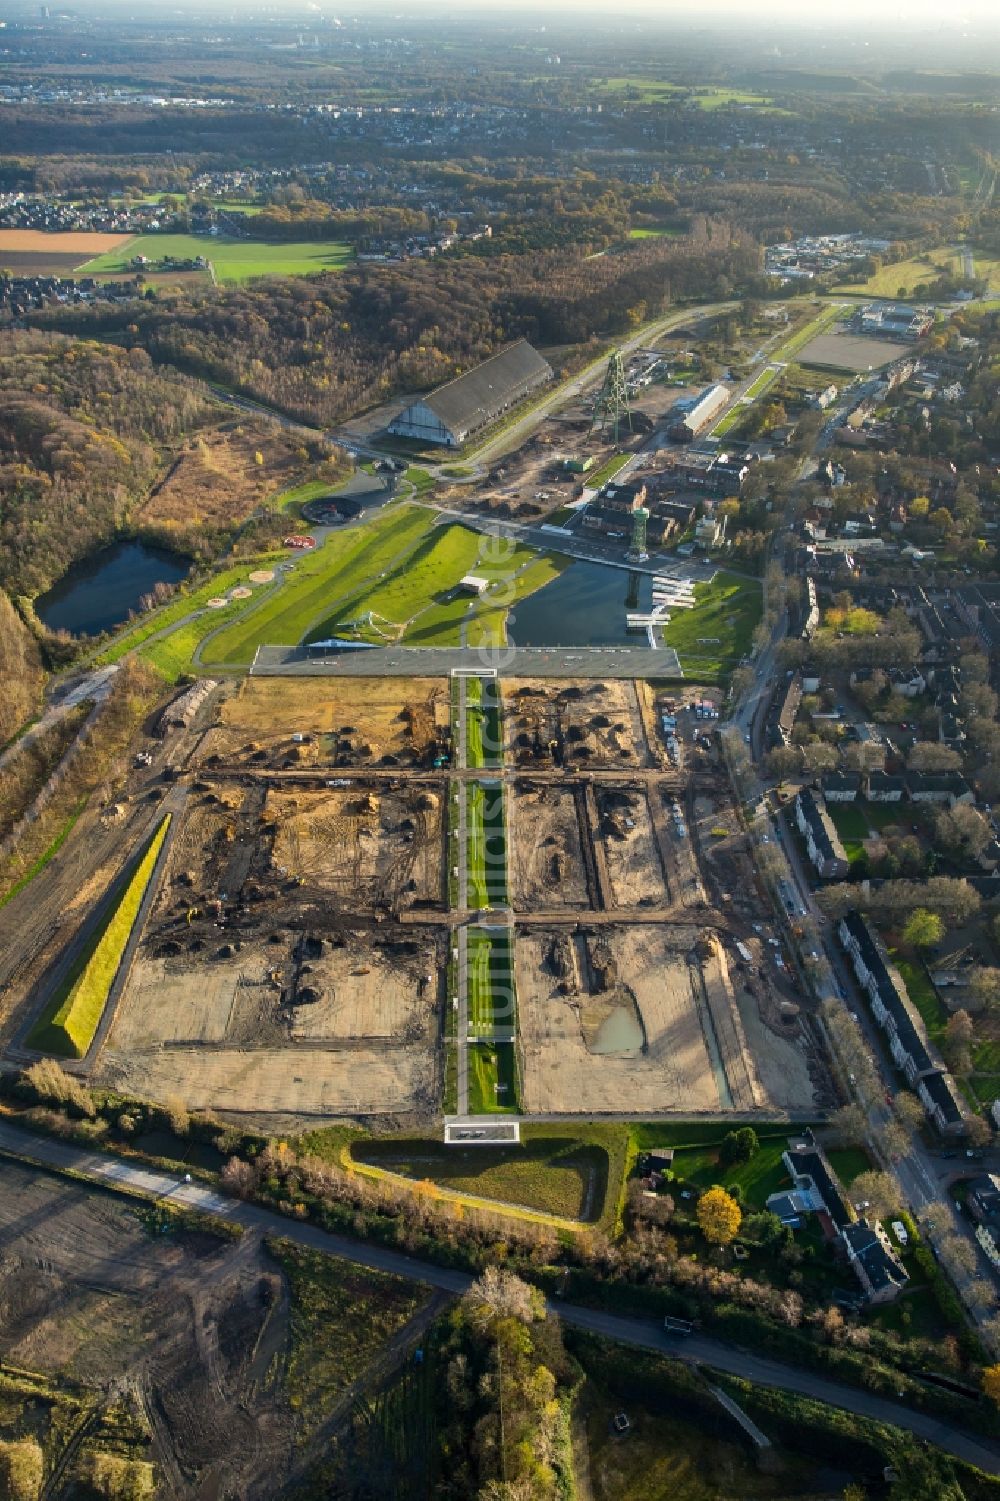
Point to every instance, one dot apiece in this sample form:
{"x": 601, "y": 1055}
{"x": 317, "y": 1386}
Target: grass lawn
{"x": 483, "y": 746}
{"x": 908, "y": 274}
{"x": 762, "y": 381}
{"x": 345, "y": 562}
{"x": 492, "y": 1078}
{"x": 762, "y": 1176}
{"x": 491, "y": 982}
{"x": 342, "y": 1315}
{"x": 486, "y": 839}
{"x": 418, "y": 594}
{"x": 848, "y": 1163}
{"x": 654, "y": 233}
{"x": 234, "y": 260}
{"x": 598, "y": 477}
{"x": 550, "y": 1170}
{"x": 848, "y": 820}
{"x": 729, "y": 608}
{"x": 70, "y": 1020}
{"x": 923, "y": 995}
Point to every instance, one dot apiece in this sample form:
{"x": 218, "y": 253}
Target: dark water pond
{"x": 584, "y": 606}
{"x": 99, "y": 592}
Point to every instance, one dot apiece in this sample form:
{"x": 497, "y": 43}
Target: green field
{"x": 654, "y": 91}
{"x": 852, "y": 826}
{"x": 415, "y": 596}
{"x": 234, "y": 260}
{"x": 341, "y": 566}
{"x": 653, "y": 233}
{"x": 486, "y": 845}
{"x": 762, "y": 1176}
{"x": 483, "y": 743}
{"x": 72, "y": 1016}
{"x": 549, "y": 1170}
{"x": 728, "y": 608}
{"x": 920, "y": 269}
{"x": 491, "y": 980}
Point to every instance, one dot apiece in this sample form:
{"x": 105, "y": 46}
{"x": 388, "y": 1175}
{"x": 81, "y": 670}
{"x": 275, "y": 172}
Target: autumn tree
{"x": 878, "y": 1192}
{"x": 923, "y": 929}
{"x": 719, "y": 1216}
{"x": 958, "y": 1035}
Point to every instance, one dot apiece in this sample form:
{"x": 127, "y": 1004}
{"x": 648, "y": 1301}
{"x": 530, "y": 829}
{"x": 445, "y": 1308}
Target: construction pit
{"x": 294, "y": 962}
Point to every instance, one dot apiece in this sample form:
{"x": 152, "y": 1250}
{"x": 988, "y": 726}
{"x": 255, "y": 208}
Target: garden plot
{"x": 612, "y": 1023}
{"x": 378, "y": 845}
{"x": 575, "y": 724}
{"x": 546, "y": 865}
{"x": 625, "y": 830}
{"x": 275, "y": 722}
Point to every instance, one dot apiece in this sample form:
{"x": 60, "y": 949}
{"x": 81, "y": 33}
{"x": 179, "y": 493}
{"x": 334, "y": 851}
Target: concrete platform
{"x": 439, "y": 661}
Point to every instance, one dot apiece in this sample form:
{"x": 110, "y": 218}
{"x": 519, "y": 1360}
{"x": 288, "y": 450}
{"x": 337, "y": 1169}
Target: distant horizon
{"x": 923, "y": 16}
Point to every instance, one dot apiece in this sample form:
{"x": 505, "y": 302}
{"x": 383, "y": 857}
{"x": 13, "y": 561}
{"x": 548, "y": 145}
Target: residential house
{"x": 882, "y": 788}
{"x": 873, "y": 1261}
{"x": 841, "y": 787}
{"x": 822, "y": 840}
{"x": 944, "y": 788}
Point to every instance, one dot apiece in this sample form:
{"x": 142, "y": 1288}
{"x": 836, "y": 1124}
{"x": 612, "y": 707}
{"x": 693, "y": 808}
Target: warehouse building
{"x": 454, "y": 412}
{"x": 692, "y": 423}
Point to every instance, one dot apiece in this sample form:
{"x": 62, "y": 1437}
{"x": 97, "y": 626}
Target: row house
{"x": 822, "y": 840}
{"x": 890, "y": 1006}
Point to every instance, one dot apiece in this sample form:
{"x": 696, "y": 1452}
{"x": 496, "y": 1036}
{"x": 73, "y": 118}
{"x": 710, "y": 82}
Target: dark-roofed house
{"x": 822, "y": 840}
{"x": 983, "y": 1198}
{"x": 841, "y": 786}
{"x": 904, "y": 1030}
{"x": 882, "y": 788}
{"x": 873, "y": 1261}
{"x": 945, "y": 787}
{"x": 466, "y": 405}
{"x": 816, "y": 1189}
{"x": 942, "y": 1102}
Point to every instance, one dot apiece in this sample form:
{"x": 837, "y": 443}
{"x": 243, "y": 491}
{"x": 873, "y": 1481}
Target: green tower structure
{"x": 612, "y": 399}
{"x": 637, "y": 551}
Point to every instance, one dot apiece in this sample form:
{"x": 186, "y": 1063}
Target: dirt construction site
{"x": 293, "y": 962}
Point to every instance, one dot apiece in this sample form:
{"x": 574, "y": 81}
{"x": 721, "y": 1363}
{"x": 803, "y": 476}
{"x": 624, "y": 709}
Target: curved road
{"x": 640, "y": 1333}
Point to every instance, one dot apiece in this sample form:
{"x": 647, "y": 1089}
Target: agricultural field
{"x": 902, "y": 277}
{"x": 711, "y": 638}
{"x": 233, "y": 260}
{"x": 33, "y": 252}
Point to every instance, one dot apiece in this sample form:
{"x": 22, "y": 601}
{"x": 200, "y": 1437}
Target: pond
{"x": 100, "y": 591}
{"x": 584, "y": 606}
{"x": 619, "y": 1032}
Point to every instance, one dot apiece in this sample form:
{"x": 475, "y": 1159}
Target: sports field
{"x": 233, "y": 260}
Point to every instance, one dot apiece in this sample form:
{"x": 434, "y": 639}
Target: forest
{"x": 324, "y": 348}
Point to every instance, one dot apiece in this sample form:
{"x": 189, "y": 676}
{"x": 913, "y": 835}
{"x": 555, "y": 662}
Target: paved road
{"x": 640, "y": 1333}
{"x": 438, "y": 661}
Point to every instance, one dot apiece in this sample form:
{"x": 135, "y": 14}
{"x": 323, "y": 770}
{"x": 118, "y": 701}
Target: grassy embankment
{"x": 711, "y": 638}
{"x": 70, "y": 1021}
{"x": 550, "y": 1170}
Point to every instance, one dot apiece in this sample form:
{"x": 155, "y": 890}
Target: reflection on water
{"x": 584, "y": 606}
{"x": 99, "y": 592}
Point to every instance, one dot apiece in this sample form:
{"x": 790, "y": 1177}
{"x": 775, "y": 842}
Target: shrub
{"x": 21, "y": 1470}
